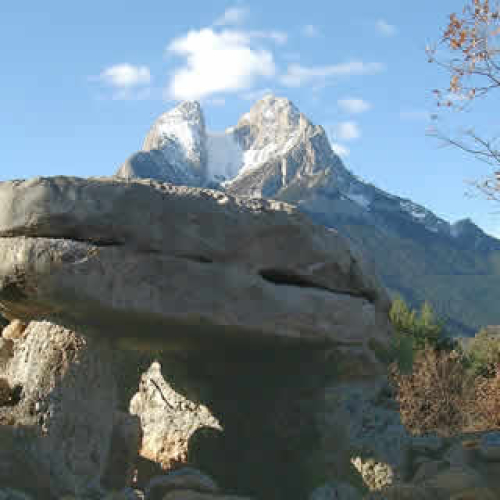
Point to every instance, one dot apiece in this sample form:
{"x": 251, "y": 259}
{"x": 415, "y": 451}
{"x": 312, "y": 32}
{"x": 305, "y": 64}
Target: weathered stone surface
{"x": 186, "y": 478}
{"x": 335, "y": 491}
{"x": 64, "y": 398}
{"x": 168, "y": 419}
{"x": 178, "y": 264}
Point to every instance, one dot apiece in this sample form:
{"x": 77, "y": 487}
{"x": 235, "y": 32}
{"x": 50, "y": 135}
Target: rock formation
{"x": 154, "y": 261}
{"x": 250, "y": 332}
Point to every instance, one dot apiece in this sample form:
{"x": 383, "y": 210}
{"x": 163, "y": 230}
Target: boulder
{"x": 59, "y": 419}
{"x": 252, "y": 338}
{"x": 180, "y": 265}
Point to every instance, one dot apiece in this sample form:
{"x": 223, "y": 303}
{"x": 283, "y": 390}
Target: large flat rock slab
{"x": 146, "y": 260}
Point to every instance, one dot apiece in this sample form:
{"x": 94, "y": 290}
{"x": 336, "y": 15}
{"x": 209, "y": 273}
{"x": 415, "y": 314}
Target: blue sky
{"x": 82, "y": 82}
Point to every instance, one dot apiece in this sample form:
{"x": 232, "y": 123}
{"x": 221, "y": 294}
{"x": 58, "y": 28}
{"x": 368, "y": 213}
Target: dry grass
{"x": 438, "y": 395}
{"x": 486, "y": 409}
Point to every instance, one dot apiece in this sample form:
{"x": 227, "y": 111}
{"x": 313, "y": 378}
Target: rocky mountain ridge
{"x": 275, "y": 151}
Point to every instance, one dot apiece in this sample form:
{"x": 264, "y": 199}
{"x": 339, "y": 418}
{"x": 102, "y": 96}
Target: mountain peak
{"x": 189, "y": 110}
{"x": 273, "y": 109}
{"x": 465, "y": 228}
{"x": 179, "y": 134}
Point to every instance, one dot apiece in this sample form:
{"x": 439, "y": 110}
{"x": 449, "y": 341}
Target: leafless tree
{"x": 470, "y": 42}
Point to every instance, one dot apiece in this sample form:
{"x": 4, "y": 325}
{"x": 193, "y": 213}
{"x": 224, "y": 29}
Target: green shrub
{"x": 422, "y": 326}
{"x": 414, "y": 331}
{"x": 483, "y": 353}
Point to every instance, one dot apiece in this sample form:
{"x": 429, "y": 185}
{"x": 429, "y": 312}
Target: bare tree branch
{"x": 474, "y": 69}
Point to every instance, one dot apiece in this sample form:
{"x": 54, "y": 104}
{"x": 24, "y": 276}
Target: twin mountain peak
{"x": 274, "y": 151}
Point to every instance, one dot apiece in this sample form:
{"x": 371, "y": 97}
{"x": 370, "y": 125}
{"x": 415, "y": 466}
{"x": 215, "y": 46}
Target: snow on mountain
{"x": 268, "y": 131}
{"x": 180, "y": 135}
{"x": 225, "y": 156}
{"x": 271, "y": 128}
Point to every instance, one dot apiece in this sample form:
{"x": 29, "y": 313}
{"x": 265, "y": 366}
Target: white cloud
{"x": 385, "y": 29}
{"x": 217, "y": 62}
{"x": 123, "y": 76}
{"x": 340, "y": 150}
{"x": 233, "y": 16}
{"x": 128, "y": 82}
{"x": 310, "y": 31}
{"x": 354, "y": 105}
{"x": 347, "y": 131}
{"x": 298, "y": 75}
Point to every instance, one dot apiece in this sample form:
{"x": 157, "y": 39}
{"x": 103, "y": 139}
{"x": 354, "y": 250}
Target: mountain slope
{"x": 274, "y": 151}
